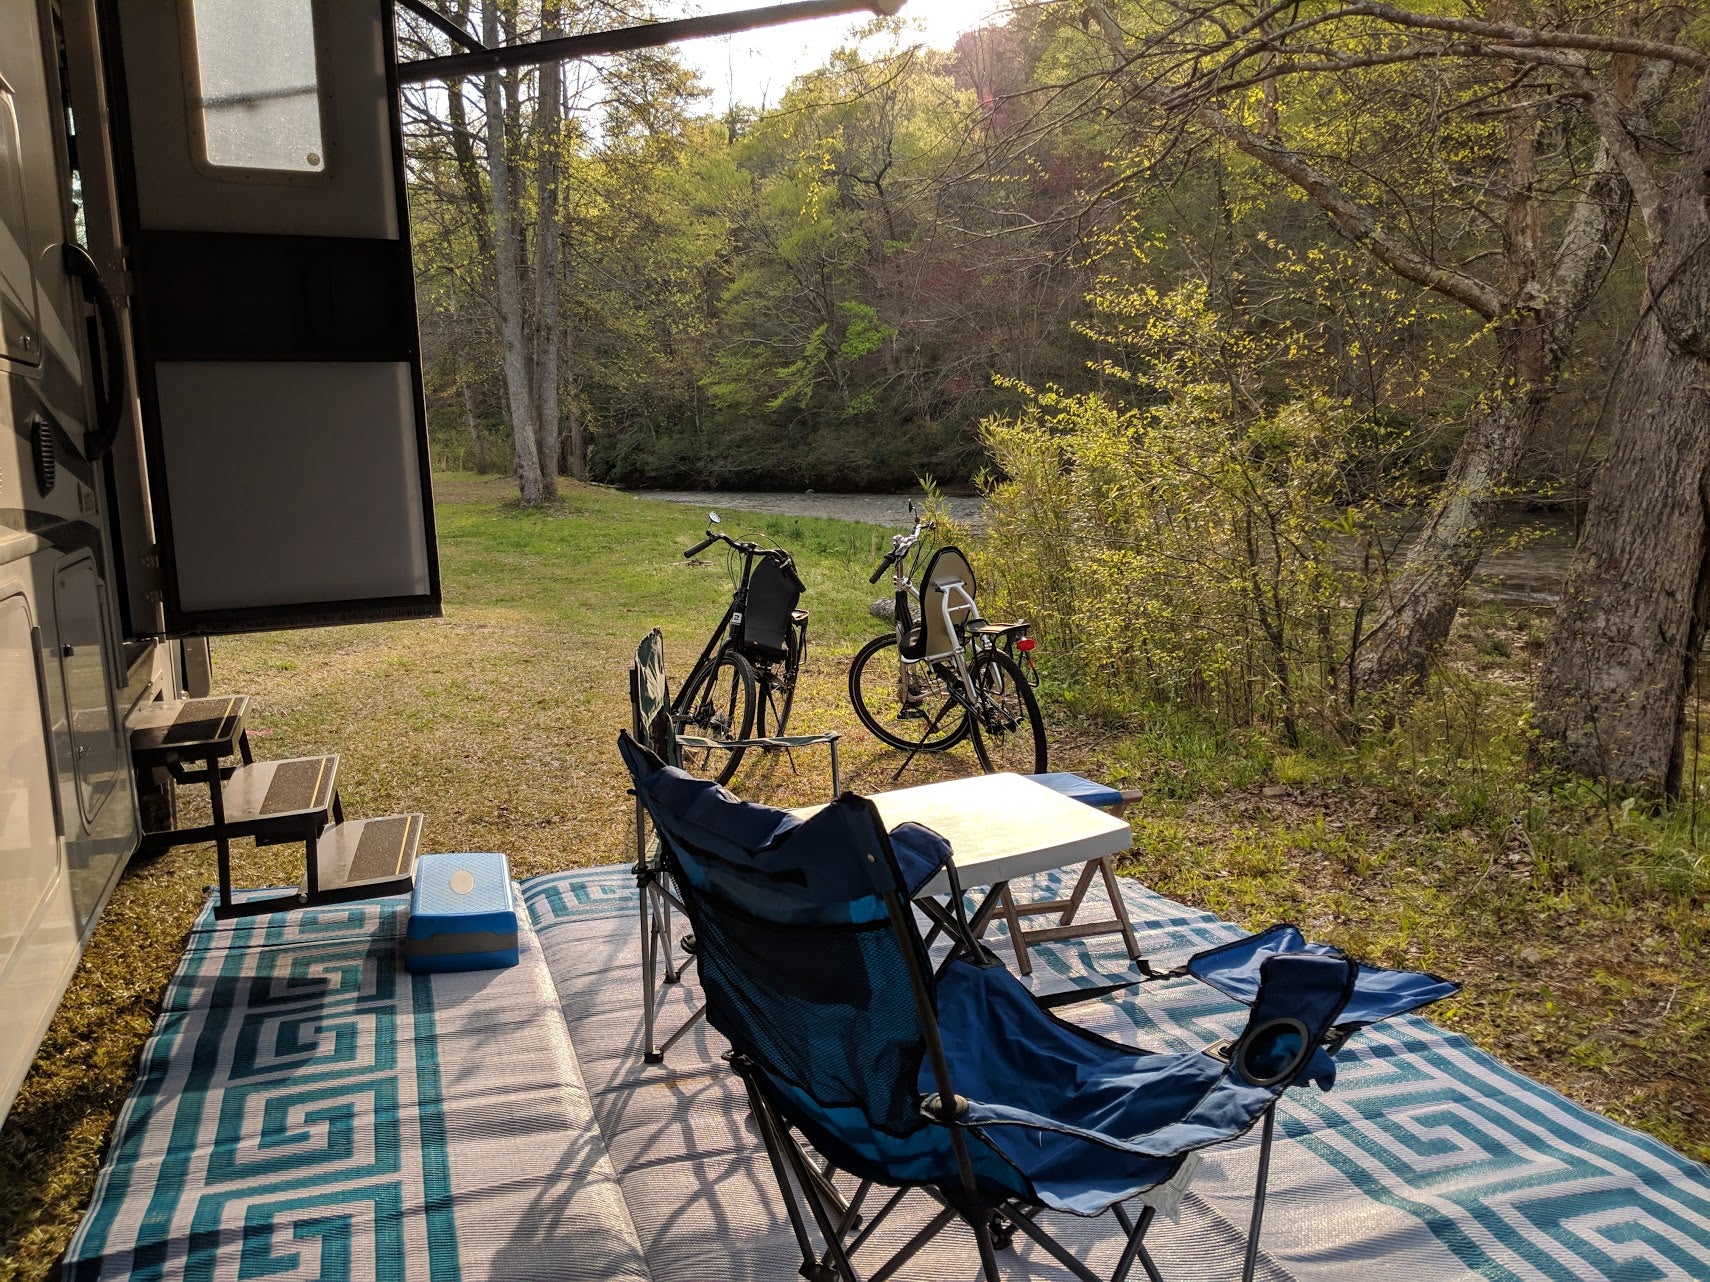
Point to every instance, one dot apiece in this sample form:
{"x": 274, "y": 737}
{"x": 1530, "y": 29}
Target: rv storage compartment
{"x": 463, "y": 914}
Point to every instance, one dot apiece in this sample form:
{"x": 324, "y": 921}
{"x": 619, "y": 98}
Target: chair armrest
{"x": 696, "y": 741}
{"x": 801, "y": 740}
{"x": 776, "y": 741}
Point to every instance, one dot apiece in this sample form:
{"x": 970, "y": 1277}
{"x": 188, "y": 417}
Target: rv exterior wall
{"x": 68, "y": 817}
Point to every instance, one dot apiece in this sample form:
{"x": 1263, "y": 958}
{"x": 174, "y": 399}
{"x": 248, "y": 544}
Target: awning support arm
{"x": 434, "y": 18}
{"x": 622, "y": 40}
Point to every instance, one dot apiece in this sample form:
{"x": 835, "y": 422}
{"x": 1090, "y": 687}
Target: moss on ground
{"x": 1577, "y": 924}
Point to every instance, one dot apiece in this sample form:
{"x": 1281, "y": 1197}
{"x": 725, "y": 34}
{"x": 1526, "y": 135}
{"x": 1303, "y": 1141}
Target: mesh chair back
{"x": 773, "y": 591}
{"x": 650, "y": 698}
{"x": 950, "y": 578}
{"x": 803, "y": 970}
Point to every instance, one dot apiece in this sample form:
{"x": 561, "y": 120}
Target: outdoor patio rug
{"x": 1429, "y": 1160}
{"x": 306, "y": 1109}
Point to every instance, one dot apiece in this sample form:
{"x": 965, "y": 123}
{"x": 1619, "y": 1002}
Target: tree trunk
{"x": 477, "y": 439}
{"x": 575, "y": 437}
{"x": 548, "y": 113}
{"x": 1425, "y": 596}
{"x": 1618, "y": 665}
{"x": 507, "y": 232}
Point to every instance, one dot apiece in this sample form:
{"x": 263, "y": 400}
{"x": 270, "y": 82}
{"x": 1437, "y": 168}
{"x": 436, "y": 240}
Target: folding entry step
{"x": 281, "y": 801}
{"x": 275, "y": 803}
{"x": 364, "y": 858}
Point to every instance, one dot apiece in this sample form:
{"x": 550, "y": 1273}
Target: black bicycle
{"x": 744, "y": 683}
{"x": 944, "y": 673}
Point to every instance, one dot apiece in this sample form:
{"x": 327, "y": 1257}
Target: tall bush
{"x": 1199, "y": 537}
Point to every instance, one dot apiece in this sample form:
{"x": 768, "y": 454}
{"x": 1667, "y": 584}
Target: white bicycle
{"x": 944, "y": 673}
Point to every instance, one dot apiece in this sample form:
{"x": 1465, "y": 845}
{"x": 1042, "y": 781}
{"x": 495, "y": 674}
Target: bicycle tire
{"x": 795, "y": 642}
{"x": 710, "y": 709}
{"x": 943, "y": 724}
{"x": 1007, "y": 720}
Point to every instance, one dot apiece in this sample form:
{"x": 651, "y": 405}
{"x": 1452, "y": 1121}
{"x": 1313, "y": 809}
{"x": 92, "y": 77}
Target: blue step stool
{"x": 1101, "y": 796}
{"x": 463, "y": 915}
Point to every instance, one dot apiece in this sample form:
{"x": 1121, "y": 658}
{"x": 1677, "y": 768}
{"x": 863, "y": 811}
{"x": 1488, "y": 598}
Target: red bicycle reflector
{"x": 1025, "y": 644}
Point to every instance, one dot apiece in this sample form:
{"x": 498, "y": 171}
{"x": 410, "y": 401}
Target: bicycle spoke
{"x": 1009, "y": 733}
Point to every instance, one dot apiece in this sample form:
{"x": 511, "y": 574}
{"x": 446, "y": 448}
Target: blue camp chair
{"x": 653, "y": 722}
{"x": 958, "y": 1082}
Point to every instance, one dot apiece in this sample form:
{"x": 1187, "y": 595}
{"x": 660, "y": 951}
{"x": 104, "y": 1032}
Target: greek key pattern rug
{"x": 307, "y": 1110}
{"x": 1429, "y": 1159}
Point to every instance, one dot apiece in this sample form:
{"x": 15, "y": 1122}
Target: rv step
{"x": 366, "y": 858}
{"x": 189, "y": 739}
{"x": 280, "y": 801}
{"x": 169, "y": 730}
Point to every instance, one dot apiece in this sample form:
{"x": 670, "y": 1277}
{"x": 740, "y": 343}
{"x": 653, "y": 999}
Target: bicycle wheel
{"x": 717, "y": 703}
{"x": 923, "y": 717}
{"x": 1009, "y": 733}
{"x": 778, "y": 686}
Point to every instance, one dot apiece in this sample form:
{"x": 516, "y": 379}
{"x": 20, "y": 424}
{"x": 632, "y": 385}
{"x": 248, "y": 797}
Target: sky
{"x": 754, "y": 68}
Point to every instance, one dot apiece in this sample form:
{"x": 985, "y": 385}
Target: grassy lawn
{"x": 1584, "y": 956}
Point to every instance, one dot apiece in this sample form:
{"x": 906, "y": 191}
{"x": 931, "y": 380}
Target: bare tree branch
{"x": 1345, "y": 213}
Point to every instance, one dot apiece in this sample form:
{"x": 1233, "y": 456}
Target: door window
{"x": 256, "y": 85}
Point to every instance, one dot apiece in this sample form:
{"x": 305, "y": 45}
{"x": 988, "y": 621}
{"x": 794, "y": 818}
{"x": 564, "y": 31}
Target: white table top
{"x": 1004, "y": 826}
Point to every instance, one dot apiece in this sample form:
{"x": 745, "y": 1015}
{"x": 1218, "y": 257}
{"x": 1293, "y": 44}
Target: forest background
{"x": 1253, "y": 321}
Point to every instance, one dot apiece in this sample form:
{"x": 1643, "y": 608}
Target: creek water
{"x": 1529, "y": 574}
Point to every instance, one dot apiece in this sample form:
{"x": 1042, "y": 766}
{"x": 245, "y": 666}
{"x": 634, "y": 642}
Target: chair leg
{"x": 835, "y": 1253}
{"x": 1259, "y": 1187}
{"x": 649, "y": 1053}
{"x": 695, "y": 1016}
{"x": 811, "y": 1266}
{"x": 1135, "y": 1248}
{"x": 988, "y": 1256}
{"x": 933, "y": 1228}
{"x": 876, "y": 1219}
{"x": 662, "y": 923}
{"x": 1055, "y": 1249}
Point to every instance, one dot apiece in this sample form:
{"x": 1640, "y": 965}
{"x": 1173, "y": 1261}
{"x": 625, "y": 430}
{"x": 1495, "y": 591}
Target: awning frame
{"x": 477, "y": 59}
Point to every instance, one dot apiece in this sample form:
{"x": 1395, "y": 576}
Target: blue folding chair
{"x": 958, "y": 1082}
{"x": 652, "y": 722}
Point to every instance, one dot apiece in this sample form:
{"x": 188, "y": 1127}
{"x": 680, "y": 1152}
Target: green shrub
{"x": 1199, "y": 543}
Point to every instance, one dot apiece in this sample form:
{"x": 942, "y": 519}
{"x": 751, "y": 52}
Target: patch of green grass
{"x": 498, "y": 721}
{"x": 1577, "y": 924}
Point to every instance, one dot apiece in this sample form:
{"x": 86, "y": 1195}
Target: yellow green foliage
{"x": 1206, "y": 541}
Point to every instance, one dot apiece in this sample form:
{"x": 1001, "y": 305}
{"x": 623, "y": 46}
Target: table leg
{"x": 222, "y": 841}
{"x": 945, "y": 921}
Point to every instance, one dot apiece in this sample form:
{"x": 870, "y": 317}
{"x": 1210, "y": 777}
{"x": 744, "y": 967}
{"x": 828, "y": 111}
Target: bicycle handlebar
{"x": 900, "y": 544}
{"x": 739, "y": 545}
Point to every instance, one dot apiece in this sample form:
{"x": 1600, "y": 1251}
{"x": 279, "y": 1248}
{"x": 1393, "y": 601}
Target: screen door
{"x": 273, "y": 308}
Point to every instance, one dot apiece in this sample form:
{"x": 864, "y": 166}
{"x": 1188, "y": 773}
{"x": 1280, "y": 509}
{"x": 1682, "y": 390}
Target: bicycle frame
{"x": 725, "y": 632}
{"x": 954, "y": 598}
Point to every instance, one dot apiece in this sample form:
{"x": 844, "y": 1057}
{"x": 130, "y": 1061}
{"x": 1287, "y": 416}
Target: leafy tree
{"x": 1432, "y": 146}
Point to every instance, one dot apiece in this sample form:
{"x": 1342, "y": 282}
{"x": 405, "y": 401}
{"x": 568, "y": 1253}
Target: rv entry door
{"x": 273, "y": 310}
